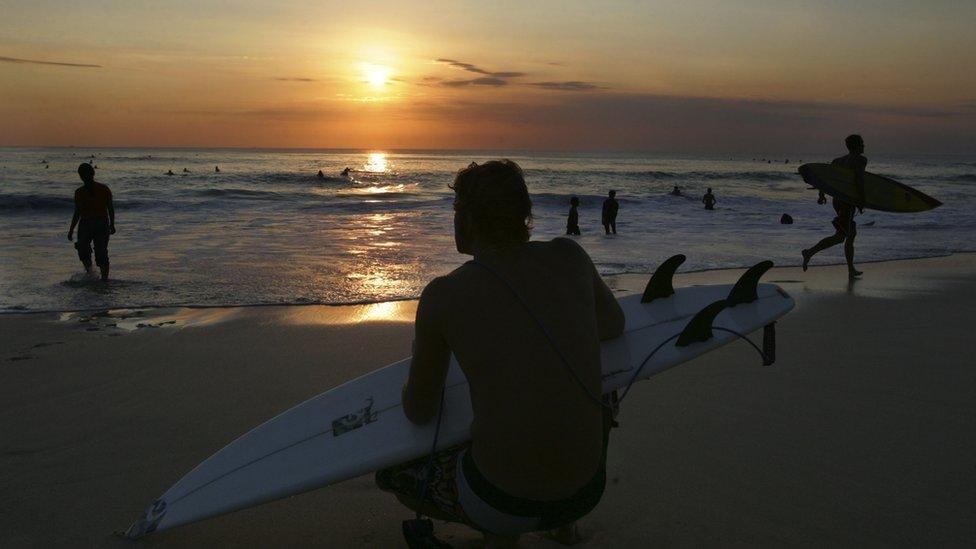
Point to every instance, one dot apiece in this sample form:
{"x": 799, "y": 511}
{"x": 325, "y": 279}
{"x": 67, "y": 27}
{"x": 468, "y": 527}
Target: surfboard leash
{"x": 418, "y": 532}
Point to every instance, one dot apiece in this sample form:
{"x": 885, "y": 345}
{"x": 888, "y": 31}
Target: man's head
{"x": 86, "y": 173}
{"x": 709, "y": 190}
{"x": 613, "y": 194}
{"x": 574, "y": 201}
{"x": 855, "y": 144}
{"x": 491, "y": 206}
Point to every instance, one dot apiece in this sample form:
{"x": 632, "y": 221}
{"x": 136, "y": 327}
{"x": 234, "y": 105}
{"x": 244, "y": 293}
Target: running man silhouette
{"x": 95, "y": 217}
{"x": 845, "y": 228}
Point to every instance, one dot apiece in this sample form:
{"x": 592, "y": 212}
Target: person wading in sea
{"x": 95, "y": 217}
{"x": 609, "y": 214}
{"x": 537, "y": 456}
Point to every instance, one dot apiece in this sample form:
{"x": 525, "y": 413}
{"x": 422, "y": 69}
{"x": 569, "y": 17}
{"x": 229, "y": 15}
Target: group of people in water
{"x": 845, "y": 228}
{"x": 608, "y": 214}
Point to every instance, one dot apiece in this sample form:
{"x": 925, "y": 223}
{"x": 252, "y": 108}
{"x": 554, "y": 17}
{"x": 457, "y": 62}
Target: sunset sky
{"x": 673, "y": 76}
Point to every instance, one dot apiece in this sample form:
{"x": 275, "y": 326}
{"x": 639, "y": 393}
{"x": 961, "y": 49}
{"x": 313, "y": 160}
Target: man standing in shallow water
{"x": 95, "y": 217}
{"x": 537, "y": 456}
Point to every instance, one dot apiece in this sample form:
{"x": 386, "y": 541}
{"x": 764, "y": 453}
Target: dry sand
{"x": 861, "y": 435}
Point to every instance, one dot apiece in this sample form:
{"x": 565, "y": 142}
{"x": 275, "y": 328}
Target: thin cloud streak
{"x": 55, "y": 63}
{"x": 571, "y": 85}
{"x": 486, "y": 81}
{"x": 295, "y": 79}
{"x": 478, "y": 70}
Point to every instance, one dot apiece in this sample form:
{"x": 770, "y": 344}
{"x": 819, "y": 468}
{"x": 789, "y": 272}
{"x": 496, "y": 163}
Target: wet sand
{"x": 860, "y": 435}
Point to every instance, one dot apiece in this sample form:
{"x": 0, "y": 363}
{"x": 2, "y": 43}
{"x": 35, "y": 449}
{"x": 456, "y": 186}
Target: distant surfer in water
{"x": 345, "y": 172}
{"x": 572, "y": 222}
{"x": 609, "y": 215}
{"x": 709, "y": 200}
{"x": 537, "y": 456}
{"x": 676, "y": 191}
{"x": 845, "y": 228}
{"x": 95, "y": 217}
{"x": 320, "y": 175}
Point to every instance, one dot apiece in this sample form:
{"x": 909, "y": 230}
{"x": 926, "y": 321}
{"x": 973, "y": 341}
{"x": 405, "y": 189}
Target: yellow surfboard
{"x": 881, "y": 193}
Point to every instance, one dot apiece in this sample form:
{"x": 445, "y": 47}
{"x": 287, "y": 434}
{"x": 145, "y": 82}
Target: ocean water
{"x": 265, "y": 230}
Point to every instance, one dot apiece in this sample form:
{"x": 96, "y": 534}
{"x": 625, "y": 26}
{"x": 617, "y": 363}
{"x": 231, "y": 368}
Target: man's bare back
{"x": 536, "y": 434}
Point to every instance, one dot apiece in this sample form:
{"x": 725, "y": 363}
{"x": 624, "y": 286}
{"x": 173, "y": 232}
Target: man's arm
{"x": 431, "y": 358}
{"x": 111, "y": 214}
{"x": 74, "y": 221}
{"x": 859, "y": 168}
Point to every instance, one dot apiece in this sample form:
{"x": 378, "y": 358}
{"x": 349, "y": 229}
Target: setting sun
{"x": 376, "y": 75}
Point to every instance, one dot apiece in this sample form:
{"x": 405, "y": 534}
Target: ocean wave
{"x": 656, "y": 175}
{"x": 238, "y": 193}
{"x": 39, "y": 202}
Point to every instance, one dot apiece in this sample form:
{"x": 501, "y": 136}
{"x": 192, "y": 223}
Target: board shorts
{"x": 459, "y": 492}
{"x": 93, "y": 230}
{"x": 845, "y": 227}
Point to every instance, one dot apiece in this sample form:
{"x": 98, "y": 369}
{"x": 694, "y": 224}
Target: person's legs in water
{"x": 606, "y": 227}
{"x": 83, "y": 244}
{"x": 613, "y": 226}
{"x": 100, "y": 237}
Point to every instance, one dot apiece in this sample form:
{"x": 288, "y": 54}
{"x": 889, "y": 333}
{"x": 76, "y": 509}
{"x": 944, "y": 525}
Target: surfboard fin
{"x": 745, "y": 290}
{"x": 660, "y": 284}
{"x": 699, "y": 328}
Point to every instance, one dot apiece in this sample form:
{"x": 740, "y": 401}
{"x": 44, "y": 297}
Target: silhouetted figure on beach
{"x": 676, "y": 191}
{"x": 95, "y": 217}
{"x": 345, "y": 172}
{"x": 845, "y": 228}
{"x": 709, "y": 200}
{"x": 609, "y": 215}
{"x": 216, "y": 169}
{"x": 320, "y": 175}
{"x": 186, "y": 170}
{"x": 170, "y": 172}
{"x": 537, "y": 455}
{"x": 572, "y": 222}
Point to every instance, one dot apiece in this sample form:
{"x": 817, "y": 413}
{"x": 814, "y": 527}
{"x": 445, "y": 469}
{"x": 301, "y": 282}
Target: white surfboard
{"x": 359, "y": 427}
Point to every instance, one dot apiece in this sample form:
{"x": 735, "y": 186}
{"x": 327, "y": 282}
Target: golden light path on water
{"x": 376, "y": 163}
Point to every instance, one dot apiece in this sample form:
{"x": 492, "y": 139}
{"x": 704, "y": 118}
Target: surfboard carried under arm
{"x": 880, "y": 193}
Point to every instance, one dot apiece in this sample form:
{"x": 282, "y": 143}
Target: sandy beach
{"x": 860, "y": 435}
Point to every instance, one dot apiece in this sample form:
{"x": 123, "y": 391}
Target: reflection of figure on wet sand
{"x": 609, "y": 216}
{"x": 95, "y": 217}
{"x": 709, "y": 200}
{"x": 572, "y": 222}
{"x": 845, "y": 228}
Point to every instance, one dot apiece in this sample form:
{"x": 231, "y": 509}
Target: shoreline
{"x": 859, "y": 435}
{"x": 366, "y": 302}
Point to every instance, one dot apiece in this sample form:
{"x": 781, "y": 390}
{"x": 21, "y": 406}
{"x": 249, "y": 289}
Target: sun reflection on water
{"x": 376, "y": 163}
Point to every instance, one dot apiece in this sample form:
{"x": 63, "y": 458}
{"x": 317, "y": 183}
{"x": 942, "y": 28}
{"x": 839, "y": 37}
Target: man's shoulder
{"x": 103, "y": 187}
